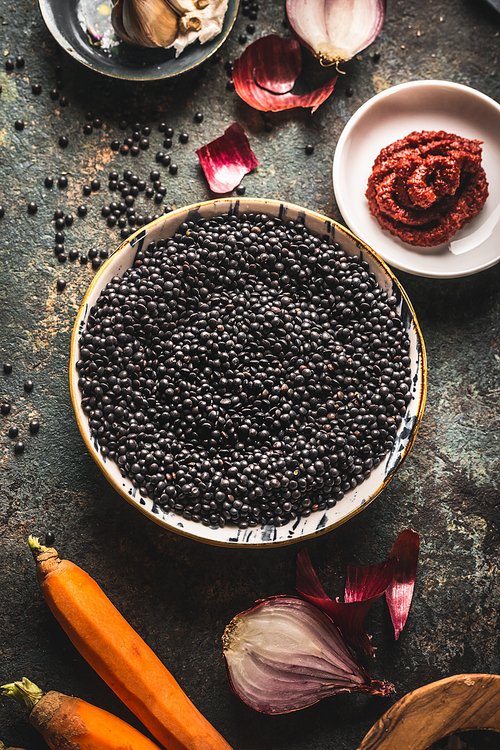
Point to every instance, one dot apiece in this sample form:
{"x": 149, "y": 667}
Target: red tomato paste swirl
{"x": 425, "y": 187}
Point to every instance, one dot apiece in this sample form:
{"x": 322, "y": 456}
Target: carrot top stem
{"x": 25, "y": 692}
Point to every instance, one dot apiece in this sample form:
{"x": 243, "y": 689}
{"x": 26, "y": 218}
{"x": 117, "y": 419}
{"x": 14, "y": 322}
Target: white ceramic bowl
{"x": 353, "y": 501}
{"x": 393, "y": 114}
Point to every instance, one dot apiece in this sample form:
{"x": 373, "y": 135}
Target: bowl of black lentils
{"x": 246, "y": 372}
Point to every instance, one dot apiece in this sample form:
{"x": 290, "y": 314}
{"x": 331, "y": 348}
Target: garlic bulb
{"x": 210, "y": 16}
{"x": 168, "y": 23}
{"x": 145, "y": 23}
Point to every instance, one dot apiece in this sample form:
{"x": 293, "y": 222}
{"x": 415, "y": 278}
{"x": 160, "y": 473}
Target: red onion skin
{"x": 266, "y": 71}
{"x": 227, "y": 159}
{"x": 294, "y": 8}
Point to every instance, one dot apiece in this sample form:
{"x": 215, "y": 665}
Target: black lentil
{"x": 309, "y": 149}
{"x": 69, "y": 219}
{"x": 5, "y": 408}
{"x": 173, "y": 169}
{"x": 36, "y": 89}
{"x": 95, "y": 184}
{"x": 87, "y": 129}
{"x": 183, "y": 137}
{"x": 13, "y": 432}
{"x": 54, "y": 94}
{"x": 28, "y": 386}
{"x": 62, "y": 182}
{"x": 198, "y": 117}
{"x": 20, "y": 61}
{"x": 9, "y": 64}
{"x": 50, "y": 539}
{"x": 82, "y": 210}
{"x": 2, "y": 212}
{"x": 7, "y": 368}
{"x": 237, "y": 372}
{"x": 32, "y": 207}
{"x": 86, "y": 190}
{"x": 63, "y": 101}
{"x": 167, "y": 143}
{"x": 19, "y": 447}
{"x": 115, "y": 145}
{"x": 63, "y": 141}
{"x": 34, "y": 426}
{"x": 61, "y": 285}
{"x": 19, "y": 125}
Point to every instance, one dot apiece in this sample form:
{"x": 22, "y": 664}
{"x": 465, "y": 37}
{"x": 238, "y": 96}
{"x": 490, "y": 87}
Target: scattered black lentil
{"x": 2, "y": 212}
{"x": 5, "y": 408}
{"x": 349, "y": 91}
{"x": 19, "y": 447}
{"x": 198, "y": 117}
{"x": 9, "y": 64}
{"x": 62, "y": 181}
{"x": 32, "y": 207}
{"x": 244, "y": 371}
{"x": 63, "y": 101}
{"x": 242, "y": 39}
{"x": 309, "y": 149}
{"x": 7, "y": 368}
{"x": 36, "y": 89}
{"x": 50, "y": 539}
{"x": 82, "y": 210}
{"x": 20, "y": 62}
{"x": 87, "y": 129}
{"x": 240, "y": 190}
{"x": 61, "y": 285}
{"x": 13, "y": 432}
{"x": 173, "y": 169}
{"x": 49, "y": 182}
{"x": 376, "y": 57}
{"x": 54, "y": 94}
{"x": 19, "y": 125}
{"x": 28, "y": 386}
{"x": 34, "y": 426}
{"x": 63, "y": 141}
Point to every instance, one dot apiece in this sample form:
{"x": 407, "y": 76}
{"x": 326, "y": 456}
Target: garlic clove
{"x": 336, "y": 30}
{"x": 146, "y": 23}
{"x": 285, "y": 654}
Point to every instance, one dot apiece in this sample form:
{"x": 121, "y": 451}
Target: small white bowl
{"x": 393, "y": 114}
{"x": 353, "y": 501}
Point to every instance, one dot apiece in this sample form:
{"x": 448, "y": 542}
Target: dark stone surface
{"x": 177, "y": 593}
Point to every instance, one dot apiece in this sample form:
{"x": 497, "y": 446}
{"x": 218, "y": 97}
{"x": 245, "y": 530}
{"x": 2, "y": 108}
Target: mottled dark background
{"x": 177, "y": 593}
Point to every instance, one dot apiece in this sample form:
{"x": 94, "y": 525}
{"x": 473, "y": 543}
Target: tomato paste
{"x": 425, "y": 187}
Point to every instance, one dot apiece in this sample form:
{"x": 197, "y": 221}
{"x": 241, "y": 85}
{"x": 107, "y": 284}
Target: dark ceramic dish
{"x": 72, "y": 23}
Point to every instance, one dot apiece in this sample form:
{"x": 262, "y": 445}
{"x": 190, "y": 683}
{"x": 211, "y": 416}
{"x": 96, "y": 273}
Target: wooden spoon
{"x": 426, "y": 715}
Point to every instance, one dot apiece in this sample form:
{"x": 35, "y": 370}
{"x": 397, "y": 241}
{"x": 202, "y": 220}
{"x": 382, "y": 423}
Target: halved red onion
{"x": 227, "y": 159}
{"x": 364, "y": 586}
{"x": 285, "y": 654}
{"x": 400, "y": 591}
{"x": 266, "y": 72}
{"x": 336, "y": 30}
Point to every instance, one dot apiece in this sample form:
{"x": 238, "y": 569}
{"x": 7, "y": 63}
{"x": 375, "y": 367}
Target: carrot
{"x": 68, "y": 723}
{"x": 120, "y": 656}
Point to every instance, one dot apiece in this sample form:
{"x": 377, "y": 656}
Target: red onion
{"x": 285, "y": 654}
{"x": 336, "y": 30}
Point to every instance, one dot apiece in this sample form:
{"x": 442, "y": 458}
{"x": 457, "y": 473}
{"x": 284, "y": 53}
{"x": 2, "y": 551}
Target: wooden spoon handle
{"x": 426, "y": 715}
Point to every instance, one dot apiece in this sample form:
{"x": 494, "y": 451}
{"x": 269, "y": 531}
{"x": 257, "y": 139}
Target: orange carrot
{"x": 120, "y": 656}
{"x": 72, "y": 724}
